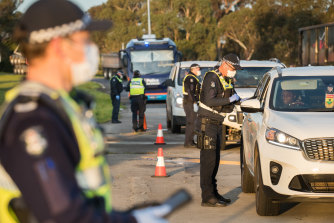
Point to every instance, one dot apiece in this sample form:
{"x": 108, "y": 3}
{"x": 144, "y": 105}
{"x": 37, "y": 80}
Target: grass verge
{"x": 102, "y": 110}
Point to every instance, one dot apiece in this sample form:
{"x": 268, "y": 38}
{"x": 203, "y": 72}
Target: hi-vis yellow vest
{"x": 222, "y": 80}
{"x": 136, "y": 86}
{"x": 184, "y": 79}
{"x": 92, "y": 172}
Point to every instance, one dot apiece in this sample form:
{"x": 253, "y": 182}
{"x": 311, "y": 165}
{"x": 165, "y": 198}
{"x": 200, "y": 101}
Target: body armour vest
{"x": 92, "y": 171}
{"x": 224, "y": 90}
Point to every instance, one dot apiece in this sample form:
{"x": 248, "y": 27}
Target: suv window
{"x": 311, "y": 93}
{"x": 184, "y": 70}
{"x": 249, "y": 77}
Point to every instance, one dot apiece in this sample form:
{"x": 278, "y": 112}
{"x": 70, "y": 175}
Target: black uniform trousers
{"x": 209, "y": 163}
{"x": 138, "y": 105}
{"x": 191, "y": 116}
{"x": 116, "y": 105}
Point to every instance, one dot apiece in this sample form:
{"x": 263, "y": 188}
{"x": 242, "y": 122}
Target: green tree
{"x": 8, "y": 18}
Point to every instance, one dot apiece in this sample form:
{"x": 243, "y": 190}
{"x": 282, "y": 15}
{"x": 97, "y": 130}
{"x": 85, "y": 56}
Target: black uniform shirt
{"x": 116, "y": 87}
{"x": 192, "y": 88}
{"x": 41, "y": 154}
{"x": 214, "y": 96}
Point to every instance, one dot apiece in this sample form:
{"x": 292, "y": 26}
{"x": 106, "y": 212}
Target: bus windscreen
{"x": 152, "y": 61}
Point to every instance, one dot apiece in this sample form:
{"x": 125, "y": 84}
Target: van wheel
{"x": 247, "y": 180}
{"x": 264, "y": 204}
{"x": 175, "y": 128}
{"x": 223, "y": 138}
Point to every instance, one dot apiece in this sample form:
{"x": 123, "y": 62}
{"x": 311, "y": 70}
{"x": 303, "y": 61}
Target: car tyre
{"x": 264, "y": 204}
{"x": 247, "y": 180}
{"x": 223, "y": 138}
{"x": 174, "y": 127}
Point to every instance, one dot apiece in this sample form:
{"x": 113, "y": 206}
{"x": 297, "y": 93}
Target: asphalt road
{"x": 132, "y": 160}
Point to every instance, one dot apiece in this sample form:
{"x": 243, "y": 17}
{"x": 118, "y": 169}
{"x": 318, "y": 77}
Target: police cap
{"x": 194, "y": 65}
{"x": 47, "y": 19}
{"x": 136, "y": 73}
{"x": 233, "y": 60}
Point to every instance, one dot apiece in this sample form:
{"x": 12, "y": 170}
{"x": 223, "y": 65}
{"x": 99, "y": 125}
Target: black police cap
{"x": 233, "y": 60}
{"x": 194, "y": 65}
{"x": 47, "y": 19}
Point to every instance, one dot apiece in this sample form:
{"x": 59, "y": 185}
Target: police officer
{"x": 51, "y": 167}
{"x": 116, "y": 87}
{"x": 137, "y": 87}
{"x": 191, "y": 90}
{"x": 217, "y": 98}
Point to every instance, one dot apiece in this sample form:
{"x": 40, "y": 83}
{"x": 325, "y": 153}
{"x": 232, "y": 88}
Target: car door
{"x": 254, "y": 120}
{"x": 170, "y": 91}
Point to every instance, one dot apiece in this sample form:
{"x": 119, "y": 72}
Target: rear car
{"x": 288, "y": 138}
{"x": 176, "y": 116}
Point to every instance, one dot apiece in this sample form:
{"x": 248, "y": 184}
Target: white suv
{"x": 288, "y": 138}
{"x": 176, "y": 116}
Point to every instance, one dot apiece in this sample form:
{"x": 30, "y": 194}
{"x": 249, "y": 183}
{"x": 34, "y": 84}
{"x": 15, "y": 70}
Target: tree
{"x": 239, "y": 27}
{"x": 8, "y": 18}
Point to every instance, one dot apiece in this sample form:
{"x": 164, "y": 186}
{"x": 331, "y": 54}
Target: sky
{"x": 83, "y": 4}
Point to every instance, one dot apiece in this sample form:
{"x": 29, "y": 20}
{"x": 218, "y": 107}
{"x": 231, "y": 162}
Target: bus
{"x": 316, "y": 45}
{"x": 154, "y": 58}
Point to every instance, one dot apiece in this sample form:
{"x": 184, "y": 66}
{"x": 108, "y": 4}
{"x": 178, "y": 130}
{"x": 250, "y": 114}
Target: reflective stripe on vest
{"x": 92, "y": 172}
{"x": 222, "y": 80}
{"x": 184, "y": 79}
{"x": 8, "y": 191}
{"x": 136, "y": 86}
{"x": 119, "y": 79}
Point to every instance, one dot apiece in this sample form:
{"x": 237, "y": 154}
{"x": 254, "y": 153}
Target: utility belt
{"x": 211, "y": 110}
{"x": 204, "y": 141}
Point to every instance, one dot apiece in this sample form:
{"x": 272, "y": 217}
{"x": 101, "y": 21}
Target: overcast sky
{"x": 83, "y": 4}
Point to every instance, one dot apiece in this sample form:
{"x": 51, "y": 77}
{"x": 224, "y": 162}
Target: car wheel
{"x": 247, "y": 180}
{"x": 223, "y": 138}
{"x": 175, "y": 128}
{"x": 264, "y": 204}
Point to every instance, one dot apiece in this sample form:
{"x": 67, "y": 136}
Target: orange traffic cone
{"x": 160, "y": 138}
{"x": 145, "y": 125}
{"x": 160, "y": 170}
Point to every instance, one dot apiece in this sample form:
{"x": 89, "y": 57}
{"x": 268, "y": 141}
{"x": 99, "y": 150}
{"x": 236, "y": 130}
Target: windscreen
{"x": 152, "y": 61}
{"x": 305, "y": 94}
{"x": 249, "y": 77}
{"x": 184, "y": 70}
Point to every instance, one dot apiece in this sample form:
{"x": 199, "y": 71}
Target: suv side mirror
{"x": 169, "y": 83}
{"x": 251, "y": 106}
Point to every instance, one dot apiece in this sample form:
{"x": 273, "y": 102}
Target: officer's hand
{"x": 152, "y": 214}
{"x": 234, "y": 98}
{"x": 117, "y": 97}
{"x": 195, "y": 107}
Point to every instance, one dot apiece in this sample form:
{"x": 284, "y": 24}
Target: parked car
{"x": 288, "y": 138}
{"x": 245, "y": 85}
{"x": 176, "y": 117}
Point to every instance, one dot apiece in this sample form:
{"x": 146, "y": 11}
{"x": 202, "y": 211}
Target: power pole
{"x": 148, "y": 17}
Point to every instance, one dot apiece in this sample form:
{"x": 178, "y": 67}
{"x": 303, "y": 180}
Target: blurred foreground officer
{"x": 191, "y": 90}
{"x": 51, "y": 167}
{"x": 116, "y": 87}
{"x": 137, "y": 88}
{"x": 216, "y": 99}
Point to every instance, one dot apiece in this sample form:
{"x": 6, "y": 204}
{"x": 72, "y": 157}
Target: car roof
{"x": 305, "y": 71}
{"x": 200, "y": 63}
{"x": 260, "y": 63}
{"x": 243, "y": 63}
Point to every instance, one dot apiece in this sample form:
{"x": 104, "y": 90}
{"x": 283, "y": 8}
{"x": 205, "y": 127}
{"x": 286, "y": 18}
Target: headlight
{"x": 279, "y": 138}
{"x": 179, "y": 101}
